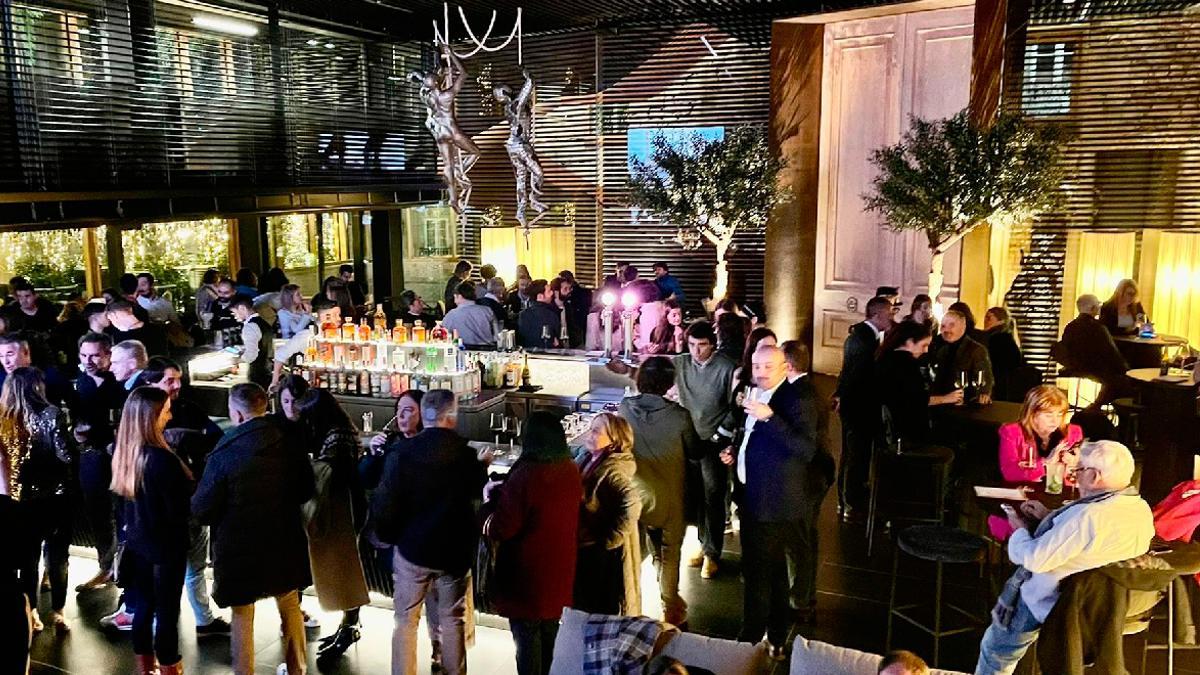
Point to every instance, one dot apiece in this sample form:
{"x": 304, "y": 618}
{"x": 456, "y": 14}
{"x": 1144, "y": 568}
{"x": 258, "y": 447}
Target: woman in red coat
{"x": 534, "y": 515}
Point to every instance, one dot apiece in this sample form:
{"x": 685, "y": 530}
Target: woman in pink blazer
{"x": 1025, "y": 445}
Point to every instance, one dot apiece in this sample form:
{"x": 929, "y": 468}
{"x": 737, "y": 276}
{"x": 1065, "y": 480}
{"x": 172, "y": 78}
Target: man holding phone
{"x": 1107, "y": 524}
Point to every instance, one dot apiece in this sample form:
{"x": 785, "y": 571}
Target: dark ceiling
{"x": 409, "y": 19}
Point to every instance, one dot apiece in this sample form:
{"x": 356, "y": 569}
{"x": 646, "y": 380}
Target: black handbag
{"x": 484, "y": 573}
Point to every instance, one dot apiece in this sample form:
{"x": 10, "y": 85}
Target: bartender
{"x": 258, "y": 347}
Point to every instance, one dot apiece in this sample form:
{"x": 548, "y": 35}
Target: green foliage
{"x": 709, "y": 188}
{"x": 45, "y": 275}
{"x": 947, "y": 176}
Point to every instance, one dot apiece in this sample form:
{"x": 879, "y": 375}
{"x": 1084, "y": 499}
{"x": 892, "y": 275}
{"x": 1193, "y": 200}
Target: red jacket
{"x": 535, "y": 517}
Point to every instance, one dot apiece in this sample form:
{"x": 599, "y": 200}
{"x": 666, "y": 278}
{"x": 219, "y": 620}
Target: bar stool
{"x": 939, "y": 545}
{"x": 1128, "y": 417}
{"x": 888, "y": 452}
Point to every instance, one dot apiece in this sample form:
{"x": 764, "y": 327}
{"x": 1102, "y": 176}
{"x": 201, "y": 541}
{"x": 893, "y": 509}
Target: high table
{"x": 1146, "y": 352}
{"x": 1169, "y": 430}
{"x": 975, "y": 429}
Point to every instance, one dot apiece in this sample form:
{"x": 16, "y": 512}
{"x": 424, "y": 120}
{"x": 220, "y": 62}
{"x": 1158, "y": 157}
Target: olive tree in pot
{"x": 710, "y": 190}
{"x": 947, "y": 177}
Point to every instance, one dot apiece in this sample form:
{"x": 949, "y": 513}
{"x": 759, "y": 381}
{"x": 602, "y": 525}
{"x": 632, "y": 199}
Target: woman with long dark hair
{"x": 902, "y": 387}
{"x": 38, "y": 450}
{"x": 668, "y": 336}
{"x": 533, "y": 514}
{"x": 335, "y": 517}
{"x": 744, "y": 376}
{"x": 157, "y": 487}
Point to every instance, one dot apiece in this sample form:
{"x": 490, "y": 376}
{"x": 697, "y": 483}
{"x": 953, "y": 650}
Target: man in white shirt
{"x": 1109, "y": 523}
{"x": 475, "y": 323}
{"x": 258, "y": 342}
{"x": 158, "y": 307}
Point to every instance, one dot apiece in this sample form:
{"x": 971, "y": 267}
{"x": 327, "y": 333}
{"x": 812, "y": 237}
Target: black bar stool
{"x": 889, "y": 456}
{"x": 940, "y": 545}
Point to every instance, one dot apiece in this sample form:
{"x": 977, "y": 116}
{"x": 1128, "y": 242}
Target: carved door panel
{"x": 877, "y": 72}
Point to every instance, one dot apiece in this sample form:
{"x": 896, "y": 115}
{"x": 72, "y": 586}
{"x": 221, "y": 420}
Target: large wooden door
{"x": 878, "y": 71}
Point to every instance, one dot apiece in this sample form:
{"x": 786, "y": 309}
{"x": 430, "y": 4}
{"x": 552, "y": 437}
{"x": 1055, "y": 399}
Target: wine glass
{"x": 545, "y": 336}
{"x": 1028, "y": 457}
{"x": 962, "y": 380}
{"x": 497, "y": 424}
{"x": 514, "y": 432}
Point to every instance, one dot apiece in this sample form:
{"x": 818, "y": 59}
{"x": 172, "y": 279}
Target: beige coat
{"x": 337, "y": 569}
{"x": 608, "y": 517}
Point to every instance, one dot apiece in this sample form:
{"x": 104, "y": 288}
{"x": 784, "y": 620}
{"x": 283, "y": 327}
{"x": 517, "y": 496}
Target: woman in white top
{"x": 294, "y": 313}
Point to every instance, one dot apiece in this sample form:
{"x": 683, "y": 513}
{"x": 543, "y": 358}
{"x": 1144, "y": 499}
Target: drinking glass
{"x": 1028, "y": 457}
{"x": 497, "y": 425}
{"x": 752, "y": 394}
{"x": 962, "y": 380}
{"x": 545, "y": 336}
{"x": 1054, "y": 477}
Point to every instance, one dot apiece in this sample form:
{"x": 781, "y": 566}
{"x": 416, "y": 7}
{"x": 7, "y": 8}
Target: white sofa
{"x": 725, "y": 657}
{"x": 810, "y": 657}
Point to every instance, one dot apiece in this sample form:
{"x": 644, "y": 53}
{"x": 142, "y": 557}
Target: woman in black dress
{"x": 903, "y": 388}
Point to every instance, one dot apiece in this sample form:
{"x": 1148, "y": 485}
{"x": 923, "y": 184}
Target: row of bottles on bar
{"x": 370, "y": 360}
{"x": 377, "y": 331}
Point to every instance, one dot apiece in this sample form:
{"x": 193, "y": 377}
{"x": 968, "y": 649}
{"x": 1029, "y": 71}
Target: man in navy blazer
{"x": 774, "y": 465}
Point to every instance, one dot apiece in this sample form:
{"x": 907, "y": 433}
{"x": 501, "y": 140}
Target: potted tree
{"x": 947, "y": 177}
{"x": 710, "y": 190}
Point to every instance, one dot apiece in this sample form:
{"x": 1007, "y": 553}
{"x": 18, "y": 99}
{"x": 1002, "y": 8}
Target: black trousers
{"x": 95, "y": 475}
{"x": 49, "y": 523}
{"x": 711, "y": 502}
{"x": 14, "y": 626}
{"x": 155, "y": 592}
{"x": 534, "y": 641}
{"x": 855, "y": 463}
{"x": 766, "y": 605}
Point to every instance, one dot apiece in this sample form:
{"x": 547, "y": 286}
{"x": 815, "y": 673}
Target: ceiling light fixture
{"x": 223, "y": 25}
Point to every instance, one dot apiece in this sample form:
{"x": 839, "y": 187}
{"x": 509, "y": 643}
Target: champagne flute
{"x": 962, "y": 380}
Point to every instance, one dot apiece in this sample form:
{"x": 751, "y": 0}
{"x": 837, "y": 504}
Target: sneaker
{"x": 217, "y": 626}
{"x": 281, "y": 670}
{"x": 709, "y": 569}
{"x": 696, "y": 560}
{"x": 118, "y": 620}
{"x": 310, "y": 621}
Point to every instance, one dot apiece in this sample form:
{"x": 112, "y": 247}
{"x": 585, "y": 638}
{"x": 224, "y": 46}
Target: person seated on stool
{"x": 1043, "y": 432}
{"x": 959, "y": 354}
{"x": 1088, "y": 349}
{"x": 1108, "y": 523}
{"x": 1123, "y": 314}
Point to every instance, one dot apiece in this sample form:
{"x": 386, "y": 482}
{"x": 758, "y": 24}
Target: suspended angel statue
{"x": 458, "y": 152}
{"x": 528, "y": 168}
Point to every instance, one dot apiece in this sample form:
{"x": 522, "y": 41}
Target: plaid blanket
{"x": 618, "y": 645}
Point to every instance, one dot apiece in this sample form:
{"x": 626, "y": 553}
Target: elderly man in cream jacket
{"x": 1108, "y": 523}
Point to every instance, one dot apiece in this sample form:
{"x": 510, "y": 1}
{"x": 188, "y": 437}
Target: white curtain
{"x": 1175, "y": 307}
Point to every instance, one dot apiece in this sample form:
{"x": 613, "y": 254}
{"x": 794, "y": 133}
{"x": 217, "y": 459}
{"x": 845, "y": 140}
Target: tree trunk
{"x": 722, "y": 282}
{"x": 935, "y": 275}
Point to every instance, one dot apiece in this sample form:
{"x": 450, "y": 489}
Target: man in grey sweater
{"x": 704, "y": 383}
{"x": 663, "y": 439}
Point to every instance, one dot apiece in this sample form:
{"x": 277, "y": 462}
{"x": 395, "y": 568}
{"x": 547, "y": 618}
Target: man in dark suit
{"x": 773, "y": 467}
{"x": 960, "y": 355}
{"x": 855, "y": 405}
{"x": 251, "y": 495}
{"x": 1088, "y": 348}
{"x": 425, "y": 505}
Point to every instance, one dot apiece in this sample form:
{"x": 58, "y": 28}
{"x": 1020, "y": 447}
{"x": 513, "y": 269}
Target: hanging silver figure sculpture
{"x": 528, "y": 168}
{"x": 456, "y": 150}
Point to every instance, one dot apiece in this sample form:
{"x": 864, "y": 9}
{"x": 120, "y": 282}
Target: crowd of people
{"x": 723, "y": 413}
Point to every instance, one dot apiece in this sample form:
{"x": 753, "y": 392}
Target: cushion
{"x": 568, "y": 646}
{"x": 810, "y": 657}
{"x": 722, "y": 657}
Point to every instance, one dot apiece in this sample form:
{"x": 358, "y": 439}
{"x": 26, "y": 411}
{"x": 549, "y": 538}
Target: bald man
{"x": 776, "y": 463}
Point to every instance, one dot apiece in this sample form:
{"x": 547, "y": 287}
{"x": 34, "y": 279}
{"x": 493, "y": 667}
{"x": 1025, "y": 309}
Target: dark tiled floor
{"x": 852, "y": 599}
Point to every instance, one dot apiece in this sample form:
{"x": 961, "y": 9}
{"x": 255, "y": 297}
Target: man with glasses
{"x": 1107, "y": 524}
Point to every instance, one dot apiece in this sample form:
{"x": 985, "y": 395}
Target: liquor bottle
{"x": 526, "y": 377}
{"x": 399, "y": 333}
{"x": 439, "y": 333}
{"x": 418, "y": 331}
{"x": 348, "y": 331}
{"x": 380, "y": 320}
{"x": 329, "y": 330}
{"x": 364, "y": 331}
{"x": 512, "y": 374}
{"x": 364, "y": 382}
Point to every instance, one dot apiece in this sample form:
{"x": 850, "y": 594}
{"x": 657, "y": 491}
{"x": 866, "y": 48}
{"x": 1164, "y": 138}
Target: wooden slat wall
{"x": 1134, "y": 106}
{"x": 118, "y": 94}
{"x": 656, "y": 77}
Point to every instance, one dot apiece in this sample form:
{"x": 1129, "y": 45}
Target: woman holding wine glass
{"x": 1042, "y": 433}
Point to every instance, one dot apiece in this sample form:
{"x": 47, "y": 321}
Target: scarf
{"x": 1010, "y": 595}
